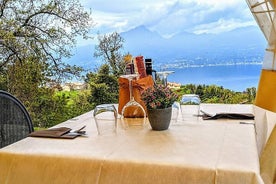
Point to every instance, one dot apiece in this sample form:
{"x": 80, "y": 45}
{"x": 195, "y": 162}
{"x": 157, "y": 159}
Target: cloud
{"x": 109, "y": 21}
{"x": 221, "y": 25}
{"x": 169, "y": 17}
{"x": 132, "y": 14}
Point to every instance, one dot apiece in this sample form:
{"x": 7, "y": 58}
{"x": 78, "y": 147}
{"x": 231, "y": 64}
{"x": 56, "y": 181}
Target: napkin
{"x": 61, "y": 132}
{"x": 207, "y": 116}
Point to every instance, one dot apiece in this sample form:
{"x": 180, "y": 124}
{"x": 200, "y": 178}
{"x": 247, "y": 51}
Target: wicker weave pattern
{"x": 15, "y": 121}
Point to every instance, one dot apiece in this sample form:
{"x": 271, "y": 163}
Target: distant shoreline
{"x": 236, "y": 77}
{"x": 188, "y": 65}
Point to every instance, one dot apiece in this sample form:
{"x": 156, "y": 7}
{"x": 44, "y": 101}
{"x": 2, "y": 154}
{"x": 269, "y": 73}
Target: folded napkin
{"x": 207, "y": 116}
{"x": 61, "y": 132}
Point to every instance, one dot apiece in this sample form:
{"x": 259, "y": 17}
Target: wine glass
{"x": 132, "y": 103}
{"x": 164, "y": 76}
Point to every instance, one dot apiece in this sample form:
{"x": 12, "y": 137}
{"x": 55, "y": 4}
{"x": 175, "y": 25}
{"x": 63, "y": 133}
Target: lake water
{"x": 234, "y": 77}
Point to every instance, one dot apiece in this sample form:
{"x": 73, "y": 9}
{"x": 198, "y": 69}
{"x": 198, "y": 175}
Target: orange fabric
{"x": 138, "y": 86}
{"x": 42, "y": 169}
{"x": 266, "y": 93}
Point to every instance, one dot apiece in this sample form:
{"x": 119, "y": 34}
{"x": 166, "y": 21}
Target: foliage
{"x": 109, "y": 48}
{"x": 23, "y": 80}
{"x": 103, "y": 86}
{"x": 158, "y": 97}
{"x": 104, "y": 82}
{"x": 41, "y": 31}
{"x": 53, "y": 107}
{"x": 217, "y": 94}
{"x": 34, "y": 38}
{"x": 28, "y": 82}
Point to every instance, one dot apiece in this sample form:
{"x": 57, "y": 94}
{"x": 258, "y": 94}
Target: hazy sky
{"x": 169, "y": 17}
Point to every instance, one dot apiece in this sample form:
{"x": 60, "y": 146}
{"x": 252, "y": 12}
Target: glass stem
{"x": 165, "y": 80}
{"x": 131, "y": 98}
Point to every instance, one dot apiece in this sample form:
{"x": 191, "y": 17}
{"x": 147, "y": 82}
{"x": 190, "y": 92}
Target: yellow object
{"x": 266, "y": 93}
{"x": 128, "y": 58}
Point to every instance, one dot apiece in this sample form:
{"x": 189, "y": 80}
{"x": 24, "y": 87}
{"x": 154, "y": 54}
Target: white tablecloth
{"x": 201, "y": 152}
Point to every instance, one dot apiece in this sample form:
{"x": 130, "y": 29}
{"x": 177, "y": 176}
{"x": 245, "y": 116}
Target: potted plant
{"x": 158, "y": 100}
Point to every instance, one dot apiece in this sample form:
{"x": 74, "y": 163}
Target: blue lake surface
{"x": 233, "y": 77}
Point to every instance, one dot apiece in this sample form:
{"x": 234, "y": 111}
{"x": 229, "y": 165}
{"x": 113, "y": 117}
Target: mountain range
{"x": 185, "y": 49}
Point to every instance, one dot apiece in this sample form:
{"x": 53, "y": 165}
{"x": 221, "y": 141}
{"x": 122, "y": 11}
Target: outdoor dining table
{"x": 188, "y": 152}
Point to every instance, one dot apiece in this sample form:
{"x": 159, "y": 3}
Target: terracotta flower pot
{"x": 160, "y": 118}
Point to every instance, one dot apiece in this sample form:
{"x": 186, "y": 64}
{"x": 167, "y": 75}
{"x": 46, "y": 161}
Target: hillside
{"x": 240, "y": 45}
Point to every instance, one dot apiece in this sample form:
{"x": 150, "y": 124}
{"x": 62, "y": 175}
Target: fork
{"x": 79, "y": 130}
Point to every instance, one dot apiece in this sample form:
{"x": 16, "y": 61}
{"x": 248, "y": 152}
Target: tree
{"x": 104, "y": 86}
{"x": 44, "y": 30}
{"x": 251, "y": 93}
{"x": 24, "y": 79}
{"x": 34, "y": 38}
{"x": 109, "y": 48}
{"x": 217, "y": 94}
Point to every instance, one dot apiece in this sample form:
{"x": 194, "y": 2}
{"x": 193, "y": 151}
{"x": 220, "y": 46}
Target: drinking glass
{"x": 190, "y": 106}
{"x": 105, "y": 117}
{"x": 176, "y": 108}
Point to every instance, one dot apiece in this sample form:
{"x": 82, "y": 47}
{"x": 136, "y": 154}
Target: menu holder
{"x": 61, "y": 132}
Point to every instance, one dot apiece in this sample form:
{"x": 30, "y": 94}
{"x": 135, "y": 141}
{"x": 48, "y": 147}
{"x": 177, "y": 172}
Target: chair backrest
{"x": 15, "y": 121}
